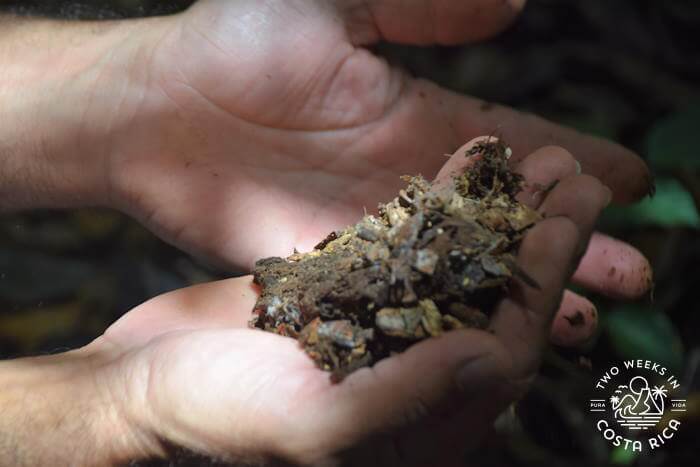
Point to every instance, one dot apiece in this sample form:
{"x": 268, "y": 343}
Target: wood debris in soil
{"x": 432, "y": 260}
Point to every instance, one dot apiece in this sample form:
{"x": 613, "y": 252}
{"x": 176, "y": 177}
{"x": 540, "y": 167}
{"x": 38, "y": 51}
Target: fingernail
{"x": 608, "y": 196}
{"x": 477, "y": 374}
{"x": 578, "y": 167}
{"x": 651, "y": 181}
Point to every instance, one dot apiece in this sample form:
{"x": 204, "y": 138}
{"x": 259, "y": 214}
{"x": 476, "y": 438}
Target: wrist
{"x": 67, "y": 91}
{"x": 60, "y": 410}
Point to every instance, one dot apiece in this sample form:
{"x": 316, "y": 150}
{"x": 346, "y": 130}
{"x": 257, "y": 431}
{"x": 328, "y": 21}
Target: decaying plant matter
{"x": 433, "y": 260}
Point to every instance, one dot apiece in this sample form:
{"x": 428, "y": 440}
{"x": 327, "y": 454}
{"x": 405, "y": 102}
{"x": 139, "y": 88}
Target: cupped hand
{"x": 251, "y": 128}
{"x": 184, "y": 368}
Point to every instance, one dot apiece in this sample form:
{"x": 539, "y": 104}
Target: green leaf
{"x": 636, "y": 332}
{"x": 622, "y": 456}
{"x": 672, "y": 143}
{"x": 671, "y": 206}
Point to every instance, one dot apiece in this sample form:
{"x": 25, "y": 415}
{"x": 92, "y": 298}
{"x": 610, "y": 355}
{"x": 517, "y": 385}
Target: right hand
{"x": 239, "y": 130}
{"x": 251, "y": 128}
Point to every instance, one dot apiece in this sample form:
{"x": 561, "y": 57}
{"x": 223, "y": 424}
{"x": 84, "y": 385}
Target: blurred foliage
{"x": 622, "y": 456}
{"x": 639, "y": 332}
{"x": 671, "y": 206}
{"x": 627, "y": 70}
{"x": 671, "y": 143}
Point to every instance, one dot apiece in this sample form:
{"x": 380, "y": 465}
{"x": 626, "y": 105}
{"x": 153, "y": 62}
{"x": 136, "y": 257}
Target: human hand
{"x": 239, "y": 130}
{"x": 262, "y": 126}
{"x": 186, "y": 370}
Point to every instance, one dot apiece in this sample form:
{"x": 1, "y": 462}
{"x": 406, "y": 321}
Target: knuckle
{"x": 589, "y": 182}
{"x": 549, "y": 163}
{"x": 591, "y": 188}
{"x": 558, "y": 152}
{"x": 562, "y": 156}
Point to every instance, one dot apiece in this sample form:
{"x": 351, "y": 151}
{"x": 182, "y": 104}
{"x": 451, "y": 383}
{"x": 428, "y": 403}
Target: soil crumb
{"x": 434, "y": 259}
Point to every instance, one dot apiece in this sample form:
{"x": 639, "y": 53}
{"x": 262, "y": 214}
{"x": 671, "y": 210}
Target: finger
{"x": 577, "y": 318}
{"x": 581, "y": 198}
{"x": 542, "y": 170}
{"x": 226, "y": 303}
{"x": 614, "y": 268}
{"x": 459, "y": 161}
{"x": 434, "y": 378}
{"x": 425, "y": 22}
{"x": 437, "y": 108}
{"x": 575, "y": 322}
{"x": 522, "y": 321}
{"x": 618, "y": 168}
{"x": 615, "y": 166}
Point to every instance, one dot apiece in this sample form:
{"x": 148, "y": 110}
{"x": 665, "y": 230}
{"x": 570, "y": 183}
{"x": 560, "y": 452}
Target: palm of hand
{"x": 268, "y": 125}
{"x": 215, "y": 386}
{"x": 275, "y": 130}
{"x": 287, "y": 127}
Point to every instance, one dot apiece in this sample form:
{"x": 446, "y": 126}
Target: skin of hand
{"x": 238, "y": 130}
{"x": 241, "y": 130}
{"x": 184, "y": 369}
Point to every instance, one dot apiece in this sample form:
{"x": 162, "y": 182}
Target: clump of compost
{"x": 436, "y": 258}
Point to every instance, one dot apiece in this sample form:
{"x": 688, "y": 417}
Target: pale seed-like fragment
{"x": 432, "y": 319}
{"x": 400, "y": 322}
{"x": 426, "y": 261}
{"x": 341, "y": 332}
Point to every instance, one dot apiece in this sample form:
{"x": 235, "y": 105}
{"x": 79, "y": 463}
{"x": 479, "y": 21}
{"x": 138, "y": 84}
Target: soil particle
{"x": 577, "y": 319}
{"x": 431, "y": 261}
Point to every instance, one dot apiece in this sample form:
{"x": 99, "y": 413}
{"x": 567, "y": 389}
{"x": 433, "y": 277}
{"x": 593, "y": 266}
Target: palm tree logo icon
{"x": 636, "y": 406}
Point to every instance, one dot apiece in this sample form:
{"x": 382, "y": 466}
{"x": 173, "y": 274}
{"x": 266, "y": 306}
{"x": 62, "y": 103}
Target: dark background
{"x": 626, "y": 70}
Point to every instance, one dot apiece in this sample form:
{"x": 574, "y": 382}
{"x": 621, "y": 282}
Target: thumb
{"x": 437, "y": 392}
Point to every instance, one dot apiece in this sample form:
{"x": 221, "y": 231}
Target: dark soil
{"x": 433, "y": 260}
